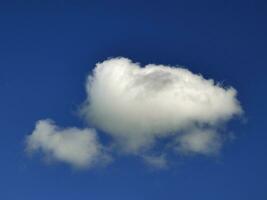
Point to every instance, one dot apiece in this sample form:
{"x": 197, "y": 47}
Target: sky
{"x": 80, "y": 81}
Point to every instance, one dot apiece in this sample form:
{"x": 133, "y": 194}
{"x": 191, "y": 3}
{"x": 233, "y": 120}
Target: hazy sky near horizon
{"x": 49, "y": 48}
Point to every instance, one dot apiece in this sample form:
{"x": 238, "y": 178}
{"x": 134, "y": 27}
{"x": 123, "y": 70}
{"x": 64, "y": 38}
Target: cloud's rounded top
{"x": 137, "y": 104}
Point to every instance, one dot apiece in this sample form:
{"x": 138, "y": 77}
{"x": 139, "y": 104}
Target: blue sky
{"x": 48, "y": 49}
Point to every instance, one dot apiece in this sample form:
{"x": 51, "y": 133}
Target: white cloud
{"x": 158, "y": 162}
{"x": 206, "y": 142}
{"x": 79, "y": 148}
{"x": 137, "y": 105}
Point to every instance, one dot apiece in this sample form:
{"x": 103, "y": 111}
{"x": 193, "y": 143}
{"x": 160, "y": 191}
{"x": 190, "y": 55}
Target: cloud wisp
{"x": 138, "y": 106}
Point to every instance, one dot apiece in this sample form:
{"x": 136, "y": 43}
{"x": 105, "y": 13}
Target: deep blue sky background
{"x": 47, "y": 50}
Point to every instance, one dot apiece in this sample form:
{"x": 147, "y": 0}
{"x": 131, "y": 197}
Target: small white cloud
{"x": 79, "y": 148}
{"x": 137, "y": 105}
{"x": 206, "y": 142}
{"x": 158, "y": 162}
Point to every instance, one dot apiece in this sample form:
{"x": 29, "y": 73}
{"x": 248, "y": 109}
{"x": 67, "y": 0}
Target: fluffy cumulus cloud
{"x": 79, "y": 148}
{"x": 138, "y": 107}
